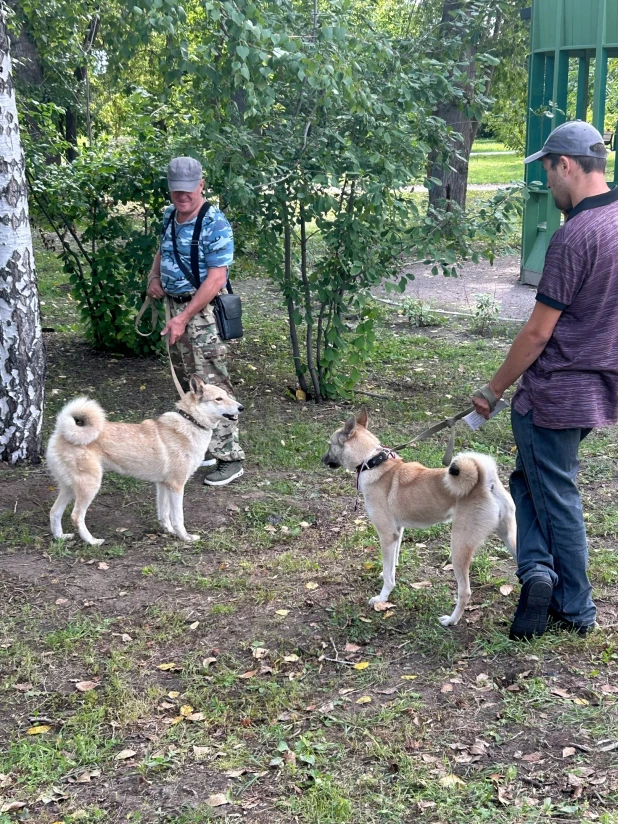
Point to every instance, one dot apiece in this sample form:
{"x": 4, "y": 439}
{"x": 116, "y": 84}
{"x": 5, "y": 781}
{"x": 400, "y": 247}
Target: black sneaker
{"x": 531, "y": 615}
{"x": 556, "y": 621}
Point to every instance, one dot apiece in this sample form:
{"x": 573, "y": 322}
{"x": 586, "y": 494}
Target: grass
{"x": 249, "y": 666}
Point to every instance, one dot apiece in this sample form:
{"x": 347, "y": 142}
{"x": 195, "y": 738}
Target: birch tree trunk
{"x": 22, "y": 357}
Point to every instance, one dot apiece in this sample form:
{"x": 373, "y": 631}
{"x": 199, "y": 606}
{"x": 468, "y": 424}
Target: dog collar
{"x": 377, "y": 460}
{"x": 192, "y": 420}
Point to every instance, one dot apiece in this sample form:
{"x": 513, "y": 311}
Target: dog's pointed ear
{"x": 196, "y": 385}
{"x": 349, "y": 426}
{"x": 362, "y": 417}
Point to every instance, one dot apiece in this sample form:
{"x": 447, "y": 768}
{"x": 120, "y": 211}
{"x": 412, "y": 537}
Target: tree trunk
{"x": 456, "y": 113}
{"x": 22, "y": 356}
{"x": 454, "y": 180}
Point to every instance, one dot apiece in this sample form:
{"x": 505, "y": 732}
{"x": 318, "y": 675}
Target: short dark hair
{"x": 587, "y": 164}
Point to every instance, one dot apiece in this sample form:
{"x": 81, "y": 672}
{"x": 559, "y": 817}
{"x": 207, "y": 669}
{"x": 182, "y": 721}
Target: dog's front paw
{"x": 192, "y": 538}
{"x": 447, "y": 620}
{"x": 378, "y": 599}
{"x": 96, "y": 541}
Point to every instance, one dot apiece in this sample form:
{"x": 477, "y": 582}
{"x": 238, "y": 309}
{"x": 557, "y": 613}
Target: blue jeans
{"x": 551, "y": 535}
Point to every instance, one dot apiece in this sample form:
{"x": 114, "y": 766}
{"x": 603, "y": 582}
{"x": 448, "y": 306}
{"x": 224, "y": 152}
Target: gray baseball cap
{"x": 183, "y": 174}
{"x": 574, "y": 138}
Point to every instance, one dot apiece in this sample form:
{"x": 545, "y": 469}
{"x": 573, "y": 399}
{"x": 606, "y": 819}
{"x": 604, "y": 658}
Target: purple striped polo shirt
{"x": 574, "y": 381}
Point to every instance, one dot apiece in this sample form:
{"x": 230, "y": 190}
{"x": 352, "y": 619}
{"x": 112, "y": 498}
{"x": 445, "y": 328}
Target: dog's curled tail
{"x": 81, "y": 421}
{"x": 466, "y": 470}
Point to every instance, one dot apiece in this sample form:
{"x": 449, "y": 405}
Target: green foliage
{"x": 311, "y": 128}
{"x": 419, "y": 312}
{"x": 486, "y": 313}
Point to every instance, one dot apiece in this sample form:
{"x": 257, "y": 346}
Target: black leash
{"x": 438, "y": 427}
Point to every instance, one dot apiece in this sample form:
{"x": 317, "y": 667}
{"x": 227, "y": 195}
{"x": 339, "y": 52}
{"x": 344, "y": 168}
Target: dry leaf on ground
{"x": 124, "y": 754}
{"x": 86, "y": 686}
{"x": 217, "y": 800}
{"x": 361, "y": 665}
{"x": 38, "y": 730}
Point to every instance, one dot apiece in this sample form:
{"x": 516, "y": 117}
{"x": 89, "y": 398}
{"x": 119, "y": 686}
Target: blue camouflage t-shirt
{"x": 216, "y": 248}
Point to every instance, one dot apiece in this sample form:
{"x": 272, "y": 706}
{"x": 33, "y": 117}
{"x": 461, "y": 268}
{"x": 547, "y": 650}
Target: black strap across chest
{"x": 192, "y": 274}
{"x": 192, "y": 420}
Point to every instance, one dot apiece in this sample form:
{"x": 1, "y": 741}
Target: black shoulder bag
{"x": 227, "y": 308}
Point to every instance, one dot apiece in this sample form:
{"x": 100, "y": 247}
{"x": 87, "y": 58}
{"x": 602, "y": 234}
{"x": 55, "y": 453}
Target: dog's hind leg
{"x": 175, "y": 497}
{"x": 390, "y": 541}
{"x": 462, "y": 553}
{"x": 163, "y": 509}
{"x": 85, "y": 493}
{"x": 507, "y": 532}
{"x": 65, "y": 496}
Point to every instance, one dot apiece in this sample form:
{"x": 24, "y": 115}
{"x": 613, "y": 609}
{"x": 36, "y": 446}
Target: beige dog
{"x": 166, "y": 451}
{"x": 399, "y": 494}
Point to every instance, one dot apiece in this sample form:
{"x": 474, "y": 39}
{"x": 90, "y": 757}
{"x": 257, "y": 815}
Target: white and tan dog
{"x": 398, "y": 494}
{"x": 166, "y": 451}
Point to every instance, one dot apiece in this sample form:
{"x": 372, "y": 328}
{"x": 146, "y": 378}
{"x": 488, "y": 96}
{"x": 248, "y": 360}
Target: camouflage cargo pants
{"x": 200, "y": 351}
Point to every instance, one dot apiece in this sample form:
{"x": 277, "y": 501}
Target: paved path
{"x": 501, "y": 281}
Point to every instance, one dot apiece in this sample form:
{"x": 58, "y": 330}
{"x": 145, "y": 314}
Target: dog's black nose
{"x": 241, "y": 408}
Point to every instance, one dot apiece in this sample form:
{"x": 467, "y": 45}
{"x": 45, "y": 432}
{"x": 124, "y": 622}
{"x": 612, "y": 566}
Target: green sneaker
{"x": 225, "y": 473}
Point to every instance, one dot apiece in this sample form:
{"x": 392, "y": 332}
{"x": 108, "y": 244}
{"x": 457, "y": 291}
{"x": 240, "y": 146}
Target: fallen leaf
{"x": 11, "y": 806}
{"x": 506, "y": 589}
{"x": 60, "y": 601}
{"x": 290, "y": 757}
{"x": 217, "y": 800}
{"x": 421, "y": 585}
{"x": 311, "y": 585}
{"x": 351, "y": 647}
{"x": 446, "y": 688}
{"x": 248, "y": 674}
{"x": 408, "y": 677}
{"x": 304, "y": 524}
{"x": 361, "y": 665}
{"x": 173, "y": 694}
{"x": 364, "y": 699}
{"x": 185, "y": 710}
{"x": 23, "y": 687}
{"x": 194, "y": 625}
{"x": 387, "y": 691}
{"x": 328, "y": 707}
{"x": 532, "y": 757}
{"x": 5, "y": 780}
{"x": 235, "y": 773}
{"x": 291, "y": 659}
{"x": 195, "y": 716}
{"x": 346, "y": 690}
{"x": 581, "y": 702}
{"x": 608, "y": 689}
{"x": 382, "y": 606}
{"x": 38, "y": 730}
{"x": 102, "y": 565}
{"x": 559, "y": 691}
{"x": 568, "y": 751}
{"x": 452, "y": 781}
{"x": 282, "y": 612}
{"x": 388, "y": 614}
{"x": 86, "y": 686}
{"x": 200, "y": 752}
{"x": 208, "y": 661}
{"x": 124, "y": 754}
{"x": 364, "y": 620}
{"x": 167, "y": 667}
{"x": 260, "y": 652}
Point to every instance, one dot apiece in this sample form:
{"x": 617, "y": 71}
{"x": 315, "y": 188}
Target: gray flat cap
{"x": 183, "y": 174}
{"x": 575, "y": 139}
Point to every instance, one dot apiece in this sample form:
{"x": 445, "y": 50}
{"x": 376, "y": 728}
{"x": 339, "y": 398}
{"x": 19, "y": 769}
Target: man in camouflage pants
{"x": 195, "y": 346}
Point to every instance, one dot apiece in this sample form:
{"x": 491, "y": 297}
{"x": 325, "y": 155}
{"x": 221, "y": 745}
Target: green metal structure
{"x": 567, "y": 38}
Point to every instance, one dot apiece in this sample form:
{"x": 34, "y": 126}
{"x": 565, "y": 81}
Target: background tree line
{"x": 313, "y": 121}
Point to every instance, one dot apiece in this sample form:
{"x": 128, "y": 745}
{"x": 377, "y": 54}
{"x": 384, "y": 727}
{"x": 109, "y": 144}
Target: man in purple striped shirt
{"x": 567, "y": 358}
